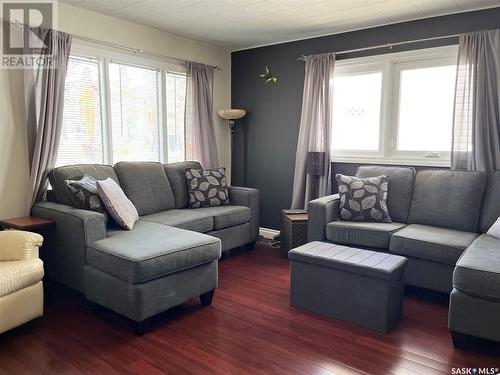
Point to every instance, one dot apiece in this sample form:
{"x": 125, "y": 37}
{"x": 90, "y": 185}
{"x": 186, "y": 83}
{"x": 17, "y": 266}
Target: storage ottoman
{"x": 359, "y": 286}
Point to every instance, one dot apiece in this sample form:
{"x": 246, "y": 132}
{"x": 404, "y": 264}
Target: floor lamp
{"x": 232, "y": 115}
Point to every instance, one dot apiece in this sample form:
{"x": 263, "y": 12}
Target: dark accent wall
{"x": 266, "y": 139}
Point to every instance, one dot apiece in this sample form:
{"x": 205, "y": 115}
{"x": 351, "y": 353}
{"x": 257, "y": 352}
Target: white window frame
{"x": 391, "y": 65}
{"x": 105, "y": 57}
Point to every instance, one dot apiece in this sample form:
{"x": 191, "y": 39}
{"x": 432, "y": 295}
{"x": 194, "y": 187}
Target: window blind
{"x": 176, "y": 109}
{"x": 135, "y": 120}
{"x": 81, "y": 138}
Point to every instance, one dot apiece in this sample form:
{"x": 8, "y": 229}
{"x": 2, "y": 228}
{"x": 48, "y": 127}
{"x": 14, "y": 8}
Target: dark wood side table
{"x": 293, "y": 229}
{"x": 28, "y": 223}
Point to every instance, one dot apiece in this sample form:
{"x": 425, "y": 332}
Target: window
{"x": 356, "y": 111}
{"x": 426, "y": 107}
{"x": 395, "y": 108}
{"x": 122, "y": 108}
{"x": 176, "y": 109}
{"x": 135, "y": 117}
{"x": 82, "y": 127}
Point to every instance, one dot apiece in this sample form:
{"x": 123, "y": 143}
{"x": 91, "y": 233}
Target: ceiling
{"x": 240, "y": 24}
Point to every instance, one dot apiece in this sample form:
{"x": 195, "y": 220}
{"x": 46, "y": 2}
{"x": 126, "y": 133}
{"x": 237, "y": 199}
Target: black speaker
{"x": 315, "y": 165}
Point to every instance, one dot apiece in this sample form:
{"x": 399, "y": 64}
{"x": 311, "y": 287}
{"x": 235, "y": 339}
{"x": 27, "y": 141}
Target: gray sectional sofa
{"x": 440, "y": 219}
{"x": 170, "y": 256}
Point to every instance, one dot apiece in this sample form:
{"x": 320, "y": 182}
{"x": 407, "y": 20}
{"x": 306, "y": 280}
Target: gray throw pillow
{"x": 363, "y": 199}
{"x": 84, "y": 194}
{"x": 207, "y": 188}
{"x": 117, "y": 203}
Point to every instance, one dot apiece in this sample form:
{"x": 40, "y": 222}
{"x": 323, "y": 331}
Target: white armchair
{"x": 21, "y": 273}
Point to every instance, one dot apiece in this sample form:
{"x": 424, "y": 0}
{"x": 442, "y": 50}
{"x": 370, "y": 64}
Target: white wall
{"x": 14, "y": 173}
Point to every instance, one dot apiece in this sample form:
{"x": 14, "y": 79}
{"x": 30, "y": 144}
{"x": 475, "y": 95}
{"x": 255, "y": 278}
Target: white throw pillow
{"x": 494, "y": 230}
{"x": 117, "y": 203}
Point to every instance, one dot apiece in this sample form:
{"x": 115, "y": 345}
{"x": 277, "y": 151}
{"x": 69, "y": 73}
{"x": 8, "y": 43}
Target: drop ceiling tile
{"x": 238, "y": 24}
{"x": 73, "y": 2}
{"x": 396, "y": 10}
{"x": 277, "y": 6}
{"x": 108, "y": 6}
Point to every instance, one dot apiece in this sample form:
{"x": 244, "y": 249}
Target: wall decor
{"x": 268, "y": 76}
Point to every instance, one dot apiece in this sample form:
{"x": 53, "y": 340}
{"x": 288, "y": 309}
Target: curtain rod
{"x": 137, "y": 51}
{"x": 134, "y": 50}
{"x": 388, "y": 45}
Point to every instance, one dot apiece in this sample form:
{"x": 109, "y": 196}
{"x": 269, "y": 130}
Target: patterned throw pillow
{"x": 85, "y": 194}
{"x": 207, "y": 188}
{"x": 363, "y": 199}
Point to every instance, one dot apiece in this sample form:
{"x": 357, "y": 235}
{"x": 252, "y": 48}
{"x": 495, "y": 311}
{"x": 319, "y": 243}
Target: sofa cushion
{"x": 448, "y": 199}
{"x": 202, "y": 219}
{"x": 478, "y": 270}
{"x": 146, "y": 185}
{"x": 176, "y": 173}
{"x": 400, "y": 190}
{"x": 186, "y": 219}
{"x": 431, "y": 243}
{"x": 58, "y": 176}
{"x": 227, "y": 216}
{"x": 19, "y": 274}
{"x": 375, "y": 235}
{"x": 490, "y": 211}
{"x": 150, "y": 251}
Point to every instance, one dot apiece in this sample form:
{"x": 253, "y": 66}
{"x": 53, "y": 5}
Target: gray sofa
{"x": 440, "y": 219}
{"x": 170, "y": 256}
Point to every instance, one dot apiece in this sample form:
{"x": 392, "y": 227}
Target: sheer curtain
{"x": 44, "y": 100}
{"x": 200, "y": 136}
{"x": 315, "y": 127}
{"x": 476, "y": 125}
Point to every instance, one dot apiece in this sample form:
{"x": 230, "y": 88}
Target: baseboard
{"x": 268, "y": 233}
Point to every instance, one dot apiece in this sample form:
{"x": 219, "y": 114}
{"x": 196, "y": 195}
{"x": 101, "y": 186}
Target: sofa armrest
{"x": 321, "y": 212}
{"x": 66, "y": 250}
{"x": 91, "y": 224}
{"x": 19, "y": 245}
{"x": 248, "y": 197}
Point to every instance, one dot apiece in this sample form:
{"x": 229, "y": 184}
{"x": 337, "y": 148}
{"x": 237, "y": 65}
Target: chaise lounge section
{"x": 170, "y": 256}
{"x": 439, "y": 223}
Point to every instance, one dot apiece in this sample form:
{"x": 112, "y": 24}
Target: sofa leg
{"x": 460, "y": 340}
{"x": 206, "y": 299}
{"x": 140, "y": 328}
{"x": 250, "y": 246}
{"x": 94, "y": 307}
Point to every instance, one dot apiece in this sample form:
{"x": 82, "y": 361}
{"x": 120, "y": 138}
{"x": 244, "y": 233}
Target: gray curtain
{"x": 200, "y": 136}
{"x": 315, "y": 127}
{"x": 44, "y": 100}
{"x": 476, "y": 125}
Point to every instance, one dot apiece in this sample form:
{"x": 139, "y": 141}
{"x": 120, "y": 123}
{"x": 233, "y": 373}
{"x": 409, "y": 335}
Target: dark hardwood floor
{"x": 249, "y": 329}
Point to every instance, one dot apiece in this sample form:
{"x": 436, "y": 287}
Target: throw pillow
{"x": 207, "y": 188}
{"x": 494, "y": 230}
{"x": 363, "y": 199}
{"x": 84, "y": 192}
{"x": 117, "y": 203}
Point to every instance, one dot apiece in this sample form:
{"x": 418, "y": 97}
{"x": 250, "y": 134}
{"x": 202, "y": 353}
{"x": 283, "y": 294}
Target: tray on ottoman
{"x": 359, "y": 286}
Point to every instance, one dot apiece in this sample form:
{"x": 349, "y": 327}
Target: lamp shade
{"x": 232, "y": 114}
{"x": 315, "y": 165}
